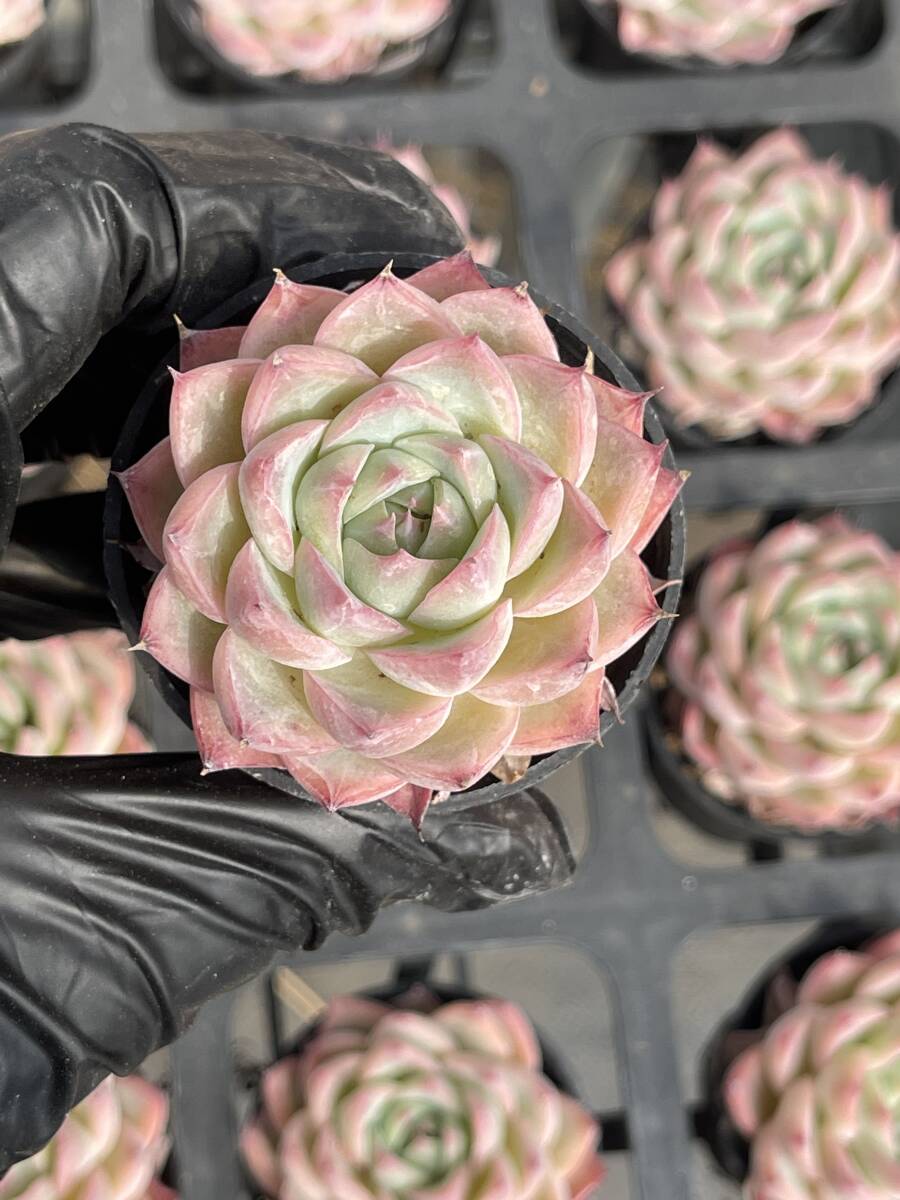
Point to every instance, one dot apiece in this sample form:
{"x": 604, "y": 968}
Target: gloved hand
{"x": 133, "y": 889}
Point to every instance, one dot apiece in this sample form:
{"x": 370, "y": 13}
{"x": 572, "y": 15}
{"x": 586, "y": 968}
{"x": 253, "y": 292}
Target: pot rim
{"x": 127, "y": 580}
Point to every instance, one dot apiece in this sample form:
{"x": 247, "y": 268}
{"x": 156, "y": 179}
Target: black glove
{"x": 133, "y": 889}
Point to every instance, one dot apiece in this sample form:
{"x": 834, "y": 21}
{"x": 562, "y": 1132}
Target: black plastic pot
{"x": 847, "y": 31}
{"x": 550, "y": 1062}
{"x": 21, "y": 60}
{"x": 148, "y": 423}
{"x": 728, "y": 1147}
{"x": 427, "y": 54}
{"x": 864, "y": 150}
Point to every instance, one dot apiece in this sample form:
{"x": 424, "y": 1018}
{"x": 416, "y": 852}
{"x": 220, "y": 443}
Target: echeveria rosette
{"x": 392, "y": 1104}
{"x": 484, "y": 250}
{"x": 110, "y": 1147}
{"x": 767, "y": 294}
{"x": 19, "y": 19}
{"x": 401, "y": 539}
{"x": 789, "y": 670}
{"x": 68, "y": 694}
{"x": 818, "y": 1095}
{"x": 319, "y": 40}
{"x": 727, "y": 32}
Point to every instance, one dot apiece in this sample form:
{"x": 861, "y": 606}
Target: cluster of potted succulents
{"x": 112, "y": 1146}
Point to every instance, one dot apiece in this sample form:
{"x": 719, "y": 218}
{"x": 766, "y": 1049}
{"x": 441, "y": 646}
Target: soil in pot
{"x": 148, "y": 424}
{"x": 635, "y": 169}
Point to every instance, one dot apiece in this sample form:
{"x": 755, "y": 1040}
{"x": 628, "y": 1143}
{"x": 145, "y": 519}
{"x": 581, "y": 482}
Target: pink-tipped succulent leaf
{"x": 318, "y": 40}
{"x": 395, "y": 536}
{"x": 483, "y": 249}
{"x": 789, "y": 671}
{"x": 111, "y": 1146}
{"x": 722, "y": 31}
{"x": 816, "y": 1095}
{"x": 19, "y": 19}
{"x": 68, "y": 694}
{"x": 767, "y": 294}
{"x": 388, "y": 1103}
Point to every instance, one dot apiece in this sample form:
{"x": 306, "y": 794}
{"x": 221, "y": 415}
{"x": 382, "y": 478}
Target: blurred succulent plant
{"x": 68, "y": 694}
{"x": 19, "y": 19}
{"x": 387, "y": 1103}
{"x": 318, "y": 40}
{"x": 767, "y": 295}
{"x": 484, "y": 250}
{"x": 817, "y": 1095}
{"x": 727, "y": 32}
{"x": 789, "y": 671}
{"x": 110, "y": 1147}
{"x": 401, "y": 538}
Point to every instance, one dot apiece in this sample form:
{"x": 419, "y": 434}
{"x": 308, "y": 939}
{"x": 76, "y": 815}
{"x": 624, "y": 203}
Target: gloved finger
{"x": 136, "y": 889}
{"x": 99, "y": 227}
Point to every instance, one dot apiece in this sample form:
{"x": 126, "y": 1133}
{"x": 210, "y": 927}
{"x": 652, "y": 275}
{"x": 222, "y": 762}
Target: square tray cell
{"x": 188, "y": 68}
{"x": 588, "y": 33}
{"x": 51, "y": 66}
{"x": 620, "y": 179}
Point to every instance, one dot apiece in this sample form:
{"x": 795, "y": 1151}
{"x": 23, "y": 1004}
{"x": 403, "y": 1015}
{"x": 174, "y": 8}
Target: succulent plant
{"x": 110, "y": 1147}
{"x": 767, "y": 294}
{"x": 389, "y": 1103}
{"x": 722, "y": 31}
{"x": 484, "y": 250}
{"x": 68, "y": 694}
{"x": 401, "y": 539}
{"x": 789, "y": 670}
{"x": 817, "y": 1095}
{"x": 319, "y": 40}
{"x": 19, "y": 19}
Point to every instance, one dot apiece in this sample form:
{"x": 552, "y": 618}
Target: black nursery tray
{"x": 513, "y": 90}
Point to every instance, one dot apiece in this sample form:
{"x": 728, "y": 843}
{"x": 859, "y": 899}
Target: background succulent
{"x": 319, "y": 40}
{"x": 722, "y": 31}
{"x": 19, "y": 19}
{"x": 110, "y": 1147}
{"x": 68, "y": 694}
{"x": 398, "y": 1104}
{"x": 401, "y": 538}
{"x": 767, "y": 294}
{"x": 817, "y": 1095}
{"x": 484, "y": 250}
{"x": 789, "y": 668}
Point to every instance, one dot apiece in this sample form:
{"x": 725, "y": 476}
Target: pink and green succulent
{"x": 68, "y": 694}
{"x": 111, "y": 1146}
{"x": 318, "y": 40}
{"x": 388, "y": 1103}
{"x": 767, "y": 294}
{"x": 818, "y": 1094}
{"x": 401, "y": 539}
{"x": 788, "y": 669}
{"x": 726, "y": 32}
